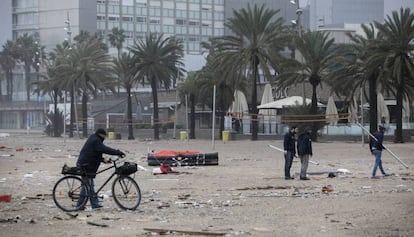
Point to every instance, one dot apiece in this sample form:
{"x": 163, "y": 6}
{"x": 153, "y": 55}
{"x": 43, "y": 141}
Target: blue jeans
{"x": 304, "y": 160}
{"x": 93, "y": 198}
{"x": 288, "y": 162}
{"x": 378, "y": 162}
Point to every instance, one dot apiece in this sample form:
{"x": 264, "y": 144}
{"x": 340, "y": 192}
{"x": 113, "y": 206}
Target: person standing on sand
{"x": 304, "y": 152}
{"x": 289, "y": 150}
{"x": 376, "y": 147}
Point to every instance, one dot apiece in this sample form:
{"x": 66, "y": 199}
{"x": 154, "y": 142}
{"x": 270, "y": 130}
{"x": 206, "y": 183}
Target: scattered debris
{"x": 263, "y": 188}
{"x": 5, "y": 198}
{"x": 327, "y": 189}
{"x": 97, "y": 224}
{"x": 187, "y": 232}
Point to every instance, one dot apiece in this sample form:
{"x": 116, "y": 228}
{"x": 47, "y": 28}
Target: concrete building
{"x": 331, "y": 13}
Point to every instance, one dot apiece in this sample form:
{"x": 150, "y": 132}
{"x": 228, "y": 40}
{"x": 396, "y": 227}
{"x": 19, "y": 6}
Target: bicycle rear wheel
{"x": 126, "y": 192}
{"x": 67, "y": 193}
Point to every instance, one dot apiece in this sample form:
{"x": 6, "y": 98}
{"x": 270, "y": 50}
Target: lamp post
{"x": 69, "y": 33}
{"x": 298, "y": 24}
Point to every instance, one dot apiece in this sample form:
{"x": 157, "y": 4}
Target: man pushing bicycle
{"x": 90, "y": 158}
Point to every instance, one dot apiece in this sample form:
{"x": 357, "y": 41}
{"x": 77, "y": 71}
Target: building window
{"x": 154, "y": 20}
{"x": 180, "y": 14}
{"x": 180, "y": 22}
{"x": 141, "y": 19}
{"x": 154, "y": 11}
{"x": 127, "y": 18}
{"x": 193, "y": 23}
{"x": 168, "y": 12}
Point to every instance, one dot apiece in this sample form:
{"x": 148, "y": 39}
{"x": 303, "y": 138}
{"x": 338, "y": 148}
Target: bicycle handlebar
{"x": 118, "y": 158}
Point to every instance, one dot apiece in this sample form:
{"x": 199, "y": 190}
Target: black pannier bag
{"x": 71, "y": 170}
{"x": 127, "y": 168}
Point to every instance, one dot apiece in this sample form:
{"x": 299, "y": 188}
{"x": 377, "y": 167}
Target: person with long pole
{"x": 376, "y": 147}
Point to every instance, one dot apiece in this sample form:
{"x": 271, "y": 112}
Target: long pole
{"x": 64, "y": 118}
{"x": 213, "y": 118}
{"x": 389, "y": 151}
{"x": 362, "y": 117}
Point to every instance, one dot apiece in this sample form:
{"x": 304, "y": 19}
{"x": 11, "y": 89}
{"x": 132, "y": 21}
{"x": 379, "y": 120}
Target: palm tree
{"x": 397, "y": 47}
{"x": 257, "y": 37}
{"x": 212, "y": 74}
{"x": 8, "y": 58}
{"x": 86, "y": 70}
{"x": 51, "y": 86}
{"x": 317, "y": 52}
{"x": 157, "y": 60}
{"x": 116, "y": 39}
{"x": 190, "y": 87}
{"x": 123, "y": 67}
{"x": 356, "y": 70}
{"x": 26, "y": 49}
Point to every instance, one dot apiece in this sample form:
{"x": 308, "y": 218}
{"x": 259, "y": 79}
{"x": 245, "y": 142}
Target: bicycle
{"x": 125, "y": 190}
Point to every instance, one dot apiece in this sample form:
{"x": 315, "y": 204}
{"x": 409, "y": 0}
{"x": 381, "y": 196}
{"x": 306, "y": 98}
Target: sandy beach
{"x": 245, "y": 195}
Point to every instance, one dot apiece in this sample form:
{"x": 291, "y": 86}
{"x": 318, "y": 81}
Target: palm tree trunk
{"x": 373, "y": 112}
{"x": 155, "y": 112}
{"x": 9, "y": 79}
{"x": 27, "y": 79}
{"x": 314, "y": 110}
{"x": 254, "y": 122}
{"x": 223, "y": 112}
{"x": 398, "y": 130}
{"x": 85, "y": 114}
{"x": 129, "y": 115}
{"x": 192, "y": 117}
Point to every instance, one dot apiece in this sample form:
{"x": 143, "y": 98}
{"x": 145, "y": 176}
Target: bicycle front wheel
{"x": 126, "y": 192}
{"x": 67, "y": 193}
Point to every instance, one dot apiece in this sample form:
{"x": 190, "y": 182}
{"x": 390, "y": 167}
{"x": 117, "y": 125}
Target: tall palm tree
{"x": 123, "y": 67}
{"x": 116, "y": 39}
{"x": 212, "y": 74}
{"x": 157, "y": 61}
{"x": 8, "y": 59}
{"x": 26, "y": 49}
{"x": 86, "y": 69}
{"x": 190, "y": 88}
{"x": 356, "y": 71}
{"x": 257, "y": 36}
{"x": 57, "y": 58}
{"x": 397, "y": 47}
{"x": 318, "y": 53}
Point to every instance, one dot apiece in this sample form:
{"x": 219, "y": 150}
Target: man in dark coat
{"x": 90, "y": 158}
{"x": 304, "y": 151}
{"x": 289, "y": 150}
{"x": 376, "y": 147}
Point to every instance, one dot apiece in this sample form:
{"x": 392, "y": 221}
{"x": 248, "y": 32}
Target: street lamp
{"x": 298, "y": 25}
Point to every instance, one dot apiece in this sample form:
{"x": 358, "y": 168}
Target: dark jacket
{"x": 376, "y": 145}
{"x": 91, "y": 154}
{"x": 289, "y": 142}
{"x": 305, "y": 144}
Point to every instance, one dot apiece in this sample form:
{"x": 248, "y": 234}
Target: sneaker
{"x": 385, "y": 175}
{"x": 81, "y": 208}
{"x": 97, "y": 207}
{"x": 289, "y": 178}
{"x": 304, "y": 178}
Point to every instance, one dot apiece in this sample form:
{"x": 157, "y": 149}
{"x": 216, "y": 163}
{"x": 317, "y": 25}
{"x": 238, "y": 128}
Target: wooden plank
{"x": 188, "y": 232}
